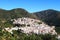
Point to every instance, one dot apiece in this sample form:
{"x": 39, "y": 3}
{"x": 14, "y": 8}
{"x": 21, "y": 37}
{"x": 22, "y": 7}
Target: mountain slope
{"x": 14, "y": 13}
{"x": 51, "y": 17}
{"x": 7, "y": 15}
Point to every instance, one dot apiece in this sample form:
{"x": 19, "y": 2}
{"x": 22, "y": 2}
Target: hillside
{"x": 28, "y": 29}
{"x": 51, "y": 17}
{"x": 29, "y": 24}
{"x": 7, "y": 15}
{"x": 14, "y": 13}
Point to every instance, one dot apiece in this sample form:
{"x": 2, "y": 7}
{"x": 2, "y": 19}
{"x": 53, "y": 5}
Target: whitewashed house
{"x": 32, "y": 26}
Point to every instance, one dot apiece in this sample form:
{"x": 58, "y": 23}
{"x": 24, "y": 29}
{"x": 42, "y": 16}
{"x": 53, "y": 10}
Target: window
{"x": 21, "y": 19}
{"x": 28, "y": 25}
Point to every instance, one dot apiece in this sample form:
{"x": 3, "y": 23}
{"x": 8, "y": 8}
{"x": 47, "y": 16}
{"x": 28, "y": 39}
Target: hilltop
{"x": 50, "y": 17}
{"x": 7, "y": 15}
{"x": 14, "y": 13}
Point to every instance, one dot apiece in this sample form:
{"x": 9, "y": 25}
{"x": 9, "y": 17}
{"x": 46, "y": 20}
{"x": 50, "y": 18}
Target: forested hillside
{"x": 50, "y": 16}
{"x": 7, "y": 15}
{"x": 14, "y": 13}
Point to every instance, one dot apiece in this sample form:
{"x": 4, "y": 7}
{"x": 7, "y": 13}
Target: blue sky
{"x": 30, "y": 5}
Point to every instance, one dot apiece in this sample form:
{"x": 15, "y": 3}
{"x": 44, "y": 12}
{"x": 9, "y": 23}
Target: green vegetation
{"x": 50, "y": 17}
{"x": 14, "y": 13}
{"x": 58, "y": 30}
{"x": 18, "y": 35}
{"x": 7, "y": 15}
{"x": 39, "y": 22}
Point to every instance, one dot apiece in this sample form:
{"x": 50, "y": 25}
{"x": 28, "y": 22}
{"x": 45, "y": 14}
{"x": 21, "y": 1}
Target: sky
{"x": 30, "y": 5}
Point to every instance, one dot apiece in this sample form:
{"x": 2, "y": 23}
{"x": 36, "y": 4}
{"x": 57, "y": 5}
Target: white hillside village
{"x": 28, "y": 25}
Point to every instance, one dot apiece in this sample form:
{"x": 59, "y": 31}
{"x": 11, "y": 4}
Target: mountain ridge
{"x": 49, "y": 16}
{"x": 14, "y": 13}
